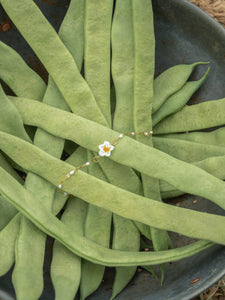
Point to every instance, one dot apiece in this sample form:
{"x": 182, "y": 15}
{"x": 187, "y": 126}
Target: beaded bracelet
{"x": 105, "y": 149}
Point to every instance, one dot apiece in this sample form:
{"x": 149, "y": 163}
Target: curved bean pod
{"x": 194, "y": 117}
{"x": 118, "y": 200}
{"x": 176, "y": 102}
{"x": 169, "y": 82}
{"x": 26, "y": 202}
{"x": 28, "y": 83}
{"x": 129, "y": 152}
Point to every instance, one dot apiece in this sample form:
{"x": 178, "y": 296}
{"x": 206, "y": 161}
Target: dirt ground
{"x": 215, "y": 8}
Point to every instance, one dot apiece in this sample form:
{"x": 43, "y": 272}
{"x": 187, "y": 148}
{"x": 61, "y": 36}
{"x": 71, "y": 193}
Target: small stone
{"x": 195, "y": 201}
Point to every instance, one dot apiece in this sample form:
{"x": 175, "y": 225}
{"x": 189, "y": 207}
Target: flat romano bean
{"x": 97, "y": 74}
{"x": 98, "y": 17}
{"x": 125, "y": 234}
{"x": 147, "y": 160}
{"x": 186, "y": 150}
{"x": 10, "y": 119}
{"x": 97, "y": 229}
{"x": 30, "y": 236}
{"x": 8, "y": 237}
{"x": 215, "y": 137}
{"x": 25, "y": 201}
{"x": 18, "y": 75}
{"x": 54, "y": 56}
{"x": 176, "y": 102}
{"x": 169, "y": 82}
{"x": 65, "y": 265}
{"x": 118, "y": 200}
{"x": 143, "y": 101}
{"x": 212, "y": 165}
{"x": 126, "y": 237}
{"x": 194, "y": 117}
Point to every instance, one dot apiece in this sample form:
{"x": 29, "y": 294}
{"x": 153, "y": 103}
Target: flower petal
{"x": 101, "y": 146}
{"x": 111, "y": 147}
{"x": 102, "y": 153}
{"x": 108, "y": 153}
{"x": 106, "y": 143}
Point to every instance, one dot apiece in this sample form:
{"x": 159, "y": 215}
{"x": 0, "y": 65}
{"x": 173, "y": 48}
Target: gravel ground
{"x": 215, "y": 8}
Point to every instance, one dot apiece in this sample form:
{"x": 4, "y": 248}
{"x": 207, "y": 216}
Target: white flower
{"x": 105, "y": 149}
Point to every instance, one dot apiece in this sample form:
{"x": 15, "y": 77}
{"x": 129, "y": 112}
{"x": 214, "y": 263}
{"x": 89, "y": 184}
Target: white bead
{"x": 65, "y": 193}
{"x": 120, "y": 136}
{"x": 87, "y": 163}
{"x": 132, "y": 133}
{"x": 146, "y": 133}
{"x": 60, "y": 186}
{"x": 72, "y": 172}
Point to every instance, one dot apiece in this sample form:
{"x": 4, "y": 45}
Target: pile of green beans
{"x": 101, "y": 84}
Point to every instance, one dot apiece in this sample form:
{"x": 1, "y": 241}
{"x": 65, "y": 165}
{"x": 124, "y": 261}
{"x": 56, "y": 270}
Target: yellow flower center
{"x": 106, "y": 149}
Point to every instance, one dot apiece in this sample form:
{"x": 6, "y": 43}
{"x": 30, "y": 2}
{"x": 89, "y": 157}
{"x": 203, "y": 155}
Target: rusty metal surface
{"x": 184, "y": 34}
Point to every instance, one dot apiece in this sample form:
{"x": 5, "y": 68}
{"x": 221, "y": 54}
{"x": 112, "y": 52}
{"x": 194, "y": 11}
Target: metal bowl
{"x": 184, "y": 34}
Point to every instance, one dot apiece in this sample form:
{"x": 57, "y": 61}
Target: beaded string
{"x": 105, "y": 149}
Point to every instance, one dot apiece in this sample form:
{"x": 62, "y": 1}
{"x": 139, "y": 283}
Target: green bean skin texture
{"x": 145, "y": 159}
{"x": 215, "y": 137}
{"x": 194, "y": 117}
{"x": 212, "y": 165}
{"x": 53, "y": 169}
{"x": 186, "y": 150}
{"x": 30, "y": 236}
{"x": 98, "y": 17}
{"x": 177, "y": 101}
{"x": 97, "y": 74}
{"x": 8, "y": 237}
{"x": 124, "y": 228}
{"x": 54, "y": 57}
{"x": 169, "y": 82}
{"x": 97, "y": 228}
{"x": 18, "y": 76}
{"x": 79, "y": 245}
{"x": 143, "y": 98}
{"x": 10, "y": 119}
{"x": 125, "y": 233}
{"x": 65, "y": 265}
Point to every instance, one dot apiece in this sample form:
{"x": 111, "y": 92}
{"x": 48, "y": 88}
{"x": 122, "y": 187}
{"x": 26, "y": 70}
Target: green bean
{"x": 41, "y": 217}
{"x": 18, "y": 76}
{"x": 8, "y": 237}
{"x": 97, "y": 229}
{"x": 212, "y": 165}
{"x": 169, "y": 82}
{"x": 123, "y": 65}
{"x": 54, "y": 56}
{"x": 143, "y": 96}
{"x": 124, "y": 228}
{"x": 215, "y": 137}
{"x": 65, "y": 265}
{"x": 145, "y": 159}
{"x": 125, "y": 233}
{"x": 176, "y": 102}
{"x": 97, "y": 52}
{"x": 10, "y": 120}
{"x": 5, "y": 165}
{"x": 118, "y": 200}
{"x": 97, "y": 74}
{"x": 30, "y": 236}
{"x": 186, "y": 150}
{"x": 195, "y": 117}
